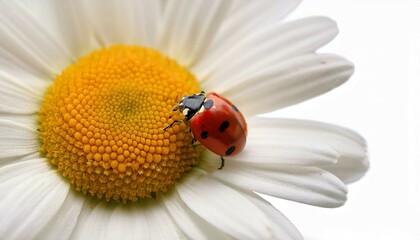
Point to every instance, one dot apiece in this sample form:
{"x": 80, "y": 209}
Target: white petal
{"x": 24, "y": 119}
{"x": 146, "y": 220}
{"x": 111, "y": 20}
{"x": 21, "y": 78}
{"x": 125, "y": 22}
{"x": 161, "y": 224}
{"x": 127, "y": 222}
{"x": 189, "y": 26}
{"x": 288, "y": 83}
{"x": 245, "y": 20}
{"x": 22, "y": 73}
{"x": 269, "y": 142}
{"x": 87, "y": 209}
{"x": 12, "y": 175}
{"x": 68, "y": 22}
{"x": 268, "y": 45}
{"x": 281, "y": 226}
{"x": 352, "y": 162}
{"x": 25, "y": 39}
{"x": 147, "y": 17}
{"x": 62, "y": 224}
{"x": 309, "y": 185}
{"x": 191, "y": 224}
{"x": 349, "y": 169}
{"x": 210, "y": 200}
{"x": 108, "y": 221}
{"x": 18, "y": 97}
{"x": 31, "y": 204}
{"x": 17, "y": 140}
{"x": 93, "y": 224}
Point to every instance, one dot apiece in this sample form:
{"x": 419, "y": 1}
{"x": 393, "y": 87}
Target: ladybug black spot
{"x": 223, "y": 126}
{"x": 235, "y": 108}
{"x": 230, "y": 150}
{"x": 204, "y": 134}
{"x": 208, "y": 104}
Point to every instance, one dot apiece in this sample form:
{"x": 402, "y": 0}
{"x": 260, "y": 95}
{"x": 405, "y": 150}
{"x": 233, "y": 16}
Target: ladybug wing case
{"x": 221, "y": 128}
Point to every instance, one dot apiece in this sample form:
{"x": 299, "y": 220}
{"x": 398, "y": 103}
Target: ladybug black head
{"x": 190, "y": 105}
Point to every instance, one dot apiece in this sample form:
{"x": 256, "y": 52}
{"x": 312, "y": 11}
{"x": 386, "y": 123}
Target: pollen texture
{"x": 101, "y": 123}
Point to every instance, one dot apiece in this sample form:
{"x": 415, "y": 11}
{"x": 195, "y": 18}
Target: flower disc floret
{"x": 101, "y": 123}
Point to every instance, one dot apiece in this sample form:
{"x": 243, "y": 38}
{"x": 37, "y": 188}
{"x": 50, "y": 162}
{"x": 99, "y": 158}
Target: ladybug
{"x": 214, "y": 122}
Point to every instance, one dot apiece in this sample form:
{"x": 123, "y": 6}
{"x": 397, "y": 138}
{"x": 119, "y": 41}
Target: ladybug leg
{"x": 197, "y": 145}
{"x": 222, "y": 163}
{"x": 153, "y": 195}
{"x": 175, "y": 108}
{"x": 193, "y": 140}
{"x": 172, "y": 123}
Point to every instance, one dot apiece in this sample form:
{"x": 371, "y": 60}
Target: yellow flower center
{"x": 102, "y": 120}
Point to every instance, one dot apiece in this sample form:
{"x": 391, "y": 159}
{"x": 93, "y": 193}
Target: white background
{"x": 381, "y": 102}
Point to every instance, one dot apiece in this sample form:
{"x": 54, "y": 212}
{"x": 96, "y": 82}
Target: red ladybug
{"x": 215, "y": 122}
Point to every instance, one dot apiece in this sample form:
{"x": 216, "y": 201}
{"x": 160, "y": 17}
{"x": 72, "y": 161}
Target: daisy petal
{"x": 24, "y": 119}
{"x": 127, "y": 222}
{"x": 24, "y": 39}
{"x": 11, "y": 64}
{"x": 13, "y": 174}
{"x": 105, "y": 221}
{"x": 352, "y": 157}
{"x": 188, "y": 27}
{"x": 125, "y": 22}
{"x": 147, "y": 17}
{"x": 190, "y": 223}
{"x": 68, "y": 22}
{"x": 349, "y": 169}
{"x": 19, "y": 76}
{"x": 92, "y": 223}
{"x": 12, "y": 67}
{"x": 136, "y": 221}
{"x": 17, "y": 97}
{"x": 31, "y": 204}
{"x": 280, "y": 42}
{"x": 17, "y": 140}
{"x": 235, "y": 31}
{"x": 242, "y": 19}
{"x": 309, "y": 185}
{"x": 62, "y": 224}
{"x": 210, "y": 200}
{"x": 111, "y": 20}
{"x": 269, "y": 142}
{"x": 288, "y": 83}
{"x": 282, "y": 227}
{"x": 158, "y": 216}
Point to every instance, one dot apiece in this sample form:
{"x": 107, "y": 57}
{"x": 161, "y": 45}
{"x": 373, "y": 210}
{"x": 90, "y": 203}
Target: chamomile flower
{"x": 87, "y": 87}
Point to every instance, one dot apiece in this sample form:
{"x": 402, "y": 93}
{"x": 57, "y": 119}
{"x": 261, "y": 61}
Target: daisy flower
{"x": 86, "y": 88}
